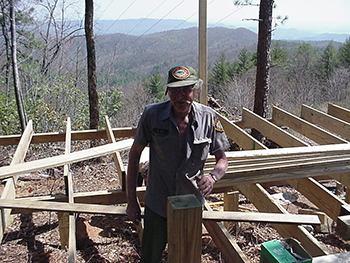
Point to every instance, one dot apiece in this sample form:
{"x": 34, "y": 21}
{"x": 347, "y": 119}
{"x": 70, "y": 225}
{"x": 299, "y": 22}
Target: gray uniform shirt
{"x": 171, "y": 168}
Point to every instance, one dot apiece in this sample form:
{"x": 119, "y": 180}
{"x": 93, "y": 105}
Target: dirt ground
{"x": 34, "y": 237}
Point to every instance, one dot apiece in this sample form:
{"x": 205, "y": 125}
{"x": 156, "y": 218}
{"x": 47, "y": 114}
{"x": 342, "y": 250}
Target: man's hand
{"x": 134, "y": 212}
{"x": 205, "y": 184}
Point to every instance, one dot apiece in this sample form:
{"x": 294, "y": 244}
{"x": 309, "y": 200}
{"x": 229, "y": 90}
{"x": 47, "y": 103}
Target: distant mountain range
{"x": 132, "y": 57}
{"x": 145, "y": 26}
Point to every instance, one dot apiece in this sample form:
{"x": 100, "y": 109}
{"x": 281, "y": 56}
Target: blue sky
{"x": 319, "y": 16}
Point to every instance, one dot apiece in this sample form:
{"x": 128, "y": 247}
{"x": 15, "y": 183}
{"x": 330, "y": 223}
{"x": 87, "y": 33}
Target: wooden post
{"x": 231, "y": 201}
{"x": 184, "y": 229}
{"x": 203, "y": 50}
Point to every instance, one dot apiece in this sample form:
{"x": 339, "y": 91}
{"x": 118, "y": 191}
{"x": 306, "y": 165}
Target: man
{"x": 180, "y": 133}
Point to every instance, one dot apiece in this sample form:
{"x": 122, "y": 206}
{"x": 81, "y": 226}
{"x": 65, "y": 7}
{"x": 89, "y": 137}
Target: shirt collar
{"x": 166, "y": 113}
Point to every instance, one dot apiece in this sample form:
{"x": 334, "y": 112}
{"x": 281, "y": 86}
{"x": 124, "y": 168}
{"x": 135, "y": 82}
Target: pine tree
{"x": 344, "y": 54}
{"x": 328, "y": 61}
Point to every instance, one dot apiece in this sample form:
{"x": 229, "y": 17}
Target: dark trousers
{"x": 154, "y": 238}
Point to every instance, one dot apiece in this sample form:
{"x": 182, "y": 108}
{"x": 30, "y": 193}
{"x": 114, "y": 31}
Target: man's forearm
{"x": 220, "y": 166}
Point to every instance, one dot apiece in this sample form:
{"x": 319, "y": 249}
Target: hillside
{"x": 141, "y": 54}
{"x": 138, "y": 56}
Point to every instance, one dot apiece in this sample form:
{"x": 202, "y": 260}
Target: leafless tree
{"x": 17, "y": 86}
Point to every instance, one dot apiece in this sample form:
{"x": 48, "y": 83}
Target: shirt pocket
{"x": 200, "y": 149}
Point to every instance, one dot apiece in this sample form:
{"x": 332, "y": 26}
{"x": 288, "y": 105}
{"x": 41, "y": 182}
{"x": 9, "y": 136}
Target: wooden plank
{"x": 290, "y": 163}
{"x": 322, "y": 149}
{"x": 9, "y": 191}
{"x": 343, "y": 227}
{"x": 184, "y": 214}
{"x": 328, "y": 122}
{"x": 76, "y": 136}
{"x": 116, "y": 156}
{"x": 229, "y": 248}
{"x": 104, "y": 197}
{"x": 281, "y": 117}
{"x": 231, "y": 203}
{"x": 72, "y": 251}
{"x": 121, "y": 171}
{"x": 339, "y": 112}
{"x": 275, "y": 218}
{"x": 314, "y": 191}
{"x": 7, "y": 171}
{"x": 320, "y": 136}
{"x": 334, "y": 258}
{"x": 238, "y": 135}
{"x": 63, "y": 218}
{"x": 270, "y": 130}
{"x": 264, "y": 202}
{"x": 63, "y": 207}
{"x": 325, "y": 200}
{"x": 233, "y": 178}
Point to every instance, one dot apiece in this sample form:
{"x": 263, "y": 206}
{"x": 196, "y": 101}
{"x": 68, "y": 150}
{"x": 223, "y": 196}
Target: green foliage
{"x": 328, "y": 61}
{"x": 221, "y": 72}
{"x": 44, "y": 118}
{"x": 246, "y": 61}
{"x": 154, "y": 85}
{"x": 9, "y": 120}
{"x": 110, "y": 102}
{"x": 62, "y": 98}
{"x": 279, "y": 56}
{"x": 344, "y": 54}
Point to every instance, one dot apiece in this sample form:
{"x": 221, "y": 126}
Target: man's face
{"x": 181, "y": 98}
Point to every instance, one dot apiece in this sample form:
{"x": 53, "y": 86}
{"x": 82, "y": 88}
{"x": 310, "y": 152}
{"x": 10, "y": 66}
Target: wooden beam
{"x": 184, "y": 219}
{"x": 233, "y": 178}
{"x": 63, "y": 218}
{"x": 314, "y": 191}
{"x": 116, "y": 156}
{"x": 334, "y": 258}
{"x": 281, "y": 117}
{"x": 320, "y": 136}
{"x": 339, "y": 112}
{"x": 8, "y": 171}
{"x": 273, "y": 218}
{"x": 203, "y": 50}
{"x": 238, "y": 135}
{"x": 270, "y": 130}
{"x": 63, "y": 207}
{"x": 329, "y": 122}
{"x": 264, "y": 202}
{"x": 76, "y": 136}
{"x": 325, "y": 200}
{"x": 229, "y": 248}
{"x": 9, "y": 191}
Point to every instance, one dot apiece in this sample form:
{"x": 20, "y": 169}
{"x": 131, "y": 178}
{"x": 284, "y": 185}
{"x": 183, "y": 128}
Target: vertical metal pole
{"x": 203, "y": 74}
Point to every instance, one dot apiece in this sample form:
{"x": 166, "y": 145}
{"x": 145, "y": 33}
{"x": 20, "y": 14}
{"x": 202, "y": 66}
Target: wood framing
{"x": 297, "y": 163}
{"x": 329, "y": 122}
{"x": 9, "y": 191}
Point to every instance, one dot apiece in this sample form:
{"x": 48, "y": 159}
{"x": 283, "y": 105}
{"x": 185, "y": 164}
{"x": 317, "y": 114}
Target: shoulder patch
{"x": 218, "y": 125}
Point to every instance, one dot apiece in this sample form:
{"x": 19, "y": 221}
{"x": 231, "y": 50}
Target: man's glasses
{"x": 184, "y": 90}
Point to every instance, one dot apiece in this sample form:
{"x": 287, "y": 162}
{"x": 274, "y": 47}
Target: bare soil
{"x": 34, "y": 237}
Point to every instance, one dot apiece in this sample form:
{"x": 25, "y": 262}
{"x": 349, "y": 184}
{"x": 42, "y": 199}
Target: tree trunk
{"x": 91, "y": 64}
{"x": 5, "y": 33}
{"x": 263, "y": 60}
{"x": 16, "y": 82}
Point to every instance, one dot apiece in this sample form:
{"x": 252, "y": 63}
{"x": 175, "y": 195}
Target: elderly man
{"x": 180, "y": 133}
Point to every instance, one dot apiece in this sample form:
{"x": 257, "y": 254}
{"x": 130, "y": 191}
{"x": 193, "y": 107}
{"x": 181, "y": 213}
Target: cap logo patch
{"x": 181, "y": 73}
